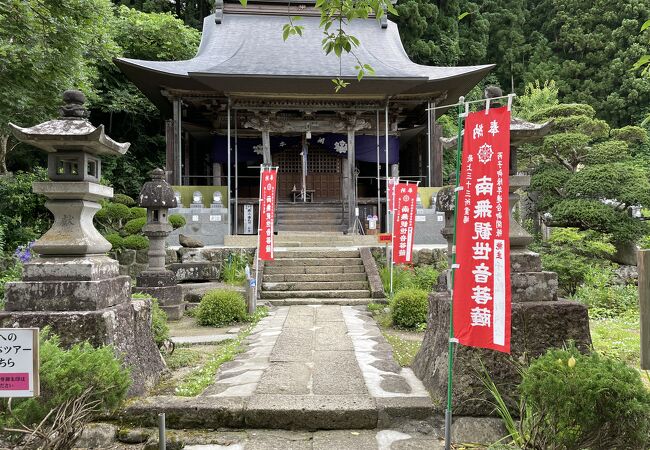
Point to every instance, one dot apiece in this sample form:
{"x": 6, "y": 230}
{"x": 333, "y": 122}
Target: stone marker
{"x": 159, "y": 282}
{"x": 189, "y": 242}
{"x": 72, "y": 285}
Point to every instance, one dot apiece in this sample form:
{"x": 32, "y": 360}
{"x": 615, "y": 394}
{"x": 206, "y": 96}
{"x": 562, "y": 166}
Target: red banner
{"x": 390, "y": 195}
{"x": 482, "y": 277}
{"x": 404, "y": 222}
{"x": 267, "y": 213}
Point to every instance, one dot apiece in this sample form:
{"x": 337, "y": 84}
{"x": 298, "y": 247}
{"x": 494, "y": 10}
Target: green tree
{"x": 588, "y": 47}
{"x": 129, "y": 114}
{"x": 47, "y": 46}
{"x": 584, "y": 175}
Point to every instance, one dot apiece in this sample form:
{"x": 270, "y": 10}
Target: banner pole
{"x": 448, "y": 413}
{"x": 259, "y": 225}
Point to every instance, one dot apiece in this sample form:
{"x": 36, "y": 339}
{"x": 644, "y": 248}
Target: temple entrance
{"x": 323, "y": 174}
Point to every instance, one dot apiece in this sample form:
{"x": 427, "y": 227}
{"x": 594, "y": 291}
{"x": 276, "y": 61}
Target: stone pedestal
{"x": 162, "y": 285}
{"x": 85, "y": 298}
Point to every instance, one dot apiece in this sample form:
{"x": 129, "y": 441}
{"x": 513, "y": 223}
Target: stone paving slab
{"x": 207, "y": 339}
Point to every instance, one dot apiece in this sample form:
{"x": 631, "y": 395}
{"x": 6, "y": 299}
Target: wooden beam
{"x": 643, "y": 264}
{"x": 436, "y": 155}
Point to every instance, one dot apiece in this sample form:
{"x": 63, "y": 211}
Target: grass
{"x": 182, "y": 357}
{"x": 202, "y": 377}
{"x": 404, "y": 350}
{"x": 619, "y": 338}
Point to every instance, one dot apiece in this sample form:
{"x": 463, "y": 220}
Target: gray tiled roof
{"x": 235, "y": 54}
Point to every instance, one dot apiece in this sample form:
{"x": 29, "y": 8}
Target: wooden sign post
{"x": 643, "y": 262}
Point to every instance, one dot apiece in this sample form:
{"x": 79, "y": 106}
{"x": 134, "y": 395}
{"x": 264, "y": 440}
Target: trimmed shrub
{"x": 114, "y": 212}
{"x": 116, "y": 240}
{"x": 219, "y": 308}
{"x": 124, "y": 199}
{"x": 136, "y": 242}
{"x": 136, "y": 213}
{"x": 176, "y": 221}
{"x": 403, "y": 278}
{"x": 587, "y": 401}
{"x": 159, "y": 327}
{"x": 410, "y": 307}
{"x": 134, "y": 226}
{"x": 66, "y": 373}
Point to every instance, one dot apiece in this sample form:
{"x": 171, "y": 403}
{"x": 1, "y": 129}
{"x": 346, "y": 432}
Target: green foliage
{"x": 159, "y": 327}
{"x": 233, "y": 271}
{"x": 605, "y": 299}
{"x": 587, "y": 401}
{"x": 48, "y": 46}
{"x": 124, "y": 200}
{"x": 426, "y": 277}
{"x": 117, "y": 241}
{"x": 177, "y": 220}
{"x": 136, "y": 242}
{"x": 182, "y": 357}
{"x": 22, "y": 213}
{"x": 112, "y": 216}
{"x": 572, "y": 254}
{"x": 134, "y": 226}
{"x": 403, "y": 278}
{"x": 137, "y": 213}
{"x": 537, "y": 97}
{"x": 12, "y": 273}
{"x": 404, "y": 350}
{"x": 410, "y": 307}
{"x": 66, "y": 374}
{"x": 220, "y": 308}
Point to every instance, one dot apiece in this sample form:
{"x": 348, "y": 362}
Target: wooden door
{"x": 323, "y": 174}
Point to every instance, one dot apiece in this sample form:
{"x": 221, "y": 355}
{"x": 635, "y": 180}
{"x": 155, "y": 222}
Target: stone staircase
{"x": 306, "y": 239}
{"x": 322, "y": 276}
{"x": 310, "y": 217}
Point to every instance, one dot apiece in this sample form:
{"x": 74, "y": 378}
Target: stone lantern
{"x": 72, "y": 286}
{"x": 158, "y": 196}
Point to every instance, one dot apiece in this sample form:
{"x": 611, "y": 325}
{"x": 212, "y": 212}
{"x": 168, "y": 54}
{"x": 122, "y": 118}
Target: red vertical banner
{"x": 267, "y": 213}
{"x": 390, "y": 194}
{"x": 482, "y": 278}
{"x": 405, "y": 196}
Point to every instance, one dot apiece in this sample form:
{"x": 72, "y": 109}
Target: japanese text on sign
{"x": 404, "y": 222}
{"x": 19, "y": 362}
{"x": 482, "y": 279}
{"x": 267, "y": 213}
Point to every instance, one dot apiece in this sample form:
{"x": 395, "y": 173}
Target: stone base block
{"x": 536, "y": 327}
{"x": 84, "y": 268}
{"x": 195, "y": 271}
{"x": 170, "y": 299}
{"x": 126, "y": 327}
{"x": 157, "y": 278}
{"x": 67, "y": 295}
{"x": 525, "y": 261}
{"x": 533, "y": 286}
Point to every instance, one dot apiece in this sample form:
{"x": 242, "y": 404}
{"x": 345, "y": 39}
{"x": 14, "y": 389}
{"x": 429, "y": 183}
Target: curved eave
{"x": 521, "y": 132}
{"x": 49, "y": 137}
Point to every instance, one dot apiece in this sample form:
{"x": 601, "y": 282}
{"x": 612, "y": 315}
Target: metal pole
{"x": 429, "y": 144}
{"x": 388, "y": 224}
{"x": 452, "y": 340}
{"x": 229, "y": 169}
{"x": 259, "y": 225}
{"x": 378, "y": 171}
{"x": 162, "y": 440}
{"x": 236, "y": 179}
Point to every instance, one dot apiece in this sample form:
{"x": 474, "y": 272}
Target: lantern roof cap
{"x": 71, "y": 131}
{"x": 157, "y": 193}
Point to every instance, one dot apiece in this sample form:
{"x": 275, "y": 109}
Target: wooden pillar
{"x": 352, "y": 194}
{"x": 177, "y": 108}
{"x": 266, "y": 146}
{"x": 170, "y": 161}
{"x": 436, "y": 155}
{"x": 643, "y": 265}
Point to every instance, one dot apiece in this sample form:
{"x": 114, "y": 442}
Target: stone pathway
{"x": 321, "y": 367}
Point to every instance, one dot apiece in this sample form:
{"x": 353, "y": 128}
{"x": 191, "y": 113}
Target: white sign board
{"x": 248, "y": 219}
{"x": 19, "y": 362}
{"x": 420, "y": 218}
{"x": 216, "y": 218}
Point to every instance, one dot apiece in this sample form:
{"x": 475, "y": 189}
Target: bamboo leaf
{"x": 463, "y": 15}
{"x": 645, "y": 25}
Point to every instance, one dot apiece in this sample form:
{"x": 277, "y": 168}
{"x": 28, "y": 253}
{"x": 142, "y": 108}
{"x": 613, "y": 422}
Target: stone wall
{"x": 435, "y": 257}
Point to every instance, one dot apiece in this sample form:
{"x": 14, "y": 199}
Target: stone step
{"x": 315, "y": 262}
{"x": 361, "y": 293}
{"x": 315, "y": 286}
{"x": 279, "y": 278}
{"x": 321, "y": 301}
{"x": 333, "y": 253}
{"x": 296, "y": 270}
{"x": 303, "y": 220}
{"x": 311, "y": 227}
